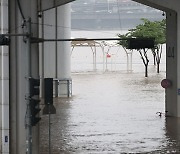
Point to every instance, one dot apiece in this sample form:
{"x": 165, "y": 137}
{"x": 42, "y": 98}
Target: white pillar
{"x": 171, "y": 64}
{"x": 64, "y": 49}
{"x": 4, "y": 80}
{"x": 18, "y": 75}
{"x": 49, "y": 47}
{"x": 178, "y": 60}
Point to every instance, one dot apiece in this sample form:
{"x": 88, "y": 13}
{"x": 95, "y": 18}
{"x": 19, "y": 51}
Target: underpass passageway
{"x": 111, "y": 113}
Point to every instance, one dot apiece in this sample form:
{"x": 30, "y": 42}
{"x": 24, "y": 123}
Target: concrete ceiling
{"x": 164, "y": 5}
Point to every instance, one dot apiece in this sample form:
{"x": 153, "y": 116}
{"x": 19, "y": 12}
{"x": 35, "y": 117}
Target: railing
{"x": 62, "y": 87}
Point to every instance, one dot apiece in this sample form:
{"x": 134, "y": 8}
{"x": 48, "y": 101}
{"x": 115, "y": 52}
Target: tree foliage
{"x": 124, "y": 37}
{"x": 148, "y": 29}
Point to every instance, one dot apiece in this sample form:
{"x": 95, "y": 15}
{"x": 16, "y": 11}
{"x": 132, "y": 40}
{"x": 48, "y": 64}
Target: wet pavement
{"x": 112, "y": 113}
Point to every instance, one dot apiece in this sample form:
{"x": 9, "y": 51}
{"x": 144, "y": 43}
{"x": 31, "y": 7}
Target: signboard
{"x": 49, "y": 4}
{"x": 140, "y": 43}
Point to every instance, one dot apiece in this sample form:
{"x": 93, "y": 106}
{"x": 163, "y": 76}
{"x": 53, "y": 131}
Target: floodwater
{"x": 112, "y": 112}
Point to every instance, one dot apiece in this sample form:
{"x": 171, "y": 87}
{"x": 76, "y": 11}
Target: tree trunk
{"x": 154, "y": 55}
{"x": 146, "y": 70}
{"x": 158, "y": 63}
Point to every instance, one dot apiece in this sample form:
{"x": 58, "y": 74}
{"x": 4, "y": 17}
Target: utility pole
{"x": 32, "y": 93}
{"x": 28, "y": 124}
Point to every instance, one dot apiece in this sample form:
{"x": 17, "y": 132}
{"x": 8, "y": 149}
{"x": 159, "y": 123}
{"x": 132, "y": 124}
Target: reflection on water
{"x": 172, "y": 135}
{"x": 112, "y": 113}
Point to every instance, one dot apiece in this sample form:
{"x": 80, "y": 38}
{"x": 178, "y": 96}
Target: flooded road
{"x": 112, "y": 113}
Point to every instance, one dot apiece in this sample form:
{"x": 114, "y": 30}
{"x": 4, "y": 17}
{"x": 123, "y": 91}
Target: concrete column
{"x": 57, "y": 25}
{"x": 49, "y": 47}
{"x": 178, "y": 62}
{"x": 49, "y": 52}
{"x": 4, "y": 81}
{"x": 63, "y": 49}
{"x": 171, "y": 64}
{"x": 19, "y": 74}
{"x": 13, "y": 78}
{"x": 172, "y": 128}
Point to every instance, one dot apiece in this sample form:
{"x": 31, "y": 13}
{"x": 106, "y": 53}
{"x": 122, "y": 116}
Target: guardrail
{"x": 63, "y": 87}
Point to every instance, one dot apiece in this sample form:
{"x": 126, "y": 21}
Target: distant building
{"x": 110, "y": 14}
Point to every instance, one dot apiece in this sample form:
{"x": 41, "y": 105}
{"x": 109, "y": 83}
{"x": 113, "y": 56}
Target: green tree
{"x": 148, "y": 29}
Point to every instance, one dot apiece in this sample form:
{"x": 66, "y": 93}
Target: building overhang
{"x": 164, "y": 5}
